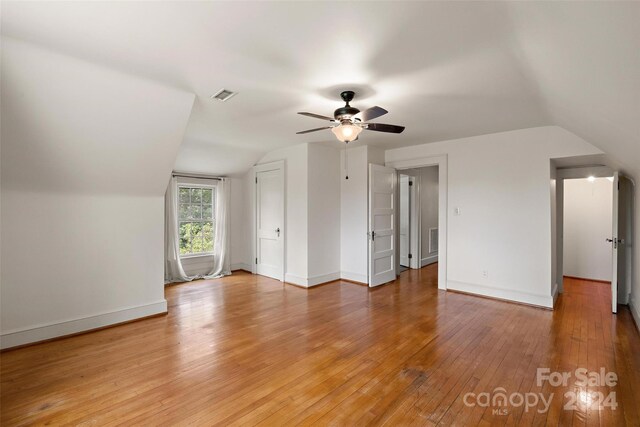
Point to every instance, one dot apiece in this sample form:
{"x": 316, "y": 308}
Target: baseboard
{"x": 588, "y": 280}
{"x": 69, "y": 327}
{"x": 241, "y": 266}
{"x": 311, "y": 281}
{"x": 545, "y": 301}
{"x": 319, "y": 280}
{"x": 429, "y": 260}
{"x": 354, "y": 277}
{"x": 296, "y": 280}
{"x": 635, "y": 312}
{"x": 325, "y": 278}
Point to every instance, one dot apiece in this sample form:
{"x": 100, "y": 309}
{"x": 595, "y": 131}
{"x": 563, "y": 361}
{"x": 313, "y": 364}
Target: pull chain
{"x": 346, "y": 161}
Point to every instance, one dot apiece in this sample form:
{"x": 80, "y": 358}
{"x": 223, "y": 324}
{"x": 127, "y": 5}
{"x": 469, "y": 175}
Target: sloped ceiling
{"x": 72, "y": 126}
{"x": 584, "y": 58}
{"x": 445, "y": 70}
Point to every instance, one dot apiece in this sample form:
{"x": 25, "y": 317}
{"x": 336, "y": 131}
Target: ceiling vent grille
{"x": 223, "y": 95}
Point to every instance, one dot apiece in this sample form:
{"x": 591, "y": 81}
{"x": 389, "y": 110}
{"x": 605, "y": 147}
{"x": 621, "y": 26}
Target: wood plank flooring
{"x": 247, "y": 350}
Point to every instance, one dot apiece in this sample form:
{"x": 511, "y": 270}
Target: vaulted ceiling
{"x": 443, "y": 69}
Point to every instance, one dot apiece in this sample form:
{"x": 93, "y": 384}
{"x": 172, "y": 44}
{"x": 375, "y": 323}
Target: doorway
{"x": 588, "y": 218}
{"x": 433, "y": 239}
{"x": 269, "y": 220}
{"x": 406, "y": 207}
{"x": 594, "y": 231}
{"x": 418, "y": 217}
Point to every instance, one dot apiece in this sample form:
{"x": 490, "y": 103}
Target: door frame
{"x": 441, "y": 162}
{"x": 277, "y": 165}
{"x": 578, "y": 172}
{"x": 415, "y": 219}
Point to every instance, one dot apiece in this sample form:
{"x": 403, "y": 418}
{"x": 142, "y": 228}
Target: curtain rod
{"x": 195, "y": 175}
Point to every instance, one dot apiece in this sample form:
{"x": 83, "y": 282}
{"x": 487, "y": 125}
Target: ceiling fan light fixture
{"x": 346, "y": 132}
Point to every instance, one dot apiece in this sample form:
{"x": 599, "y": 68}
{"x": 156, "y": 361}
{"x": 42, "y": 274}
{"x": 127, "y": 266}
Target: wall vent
{"x": 223, "y": 95}
{"x": 433, "y": 240}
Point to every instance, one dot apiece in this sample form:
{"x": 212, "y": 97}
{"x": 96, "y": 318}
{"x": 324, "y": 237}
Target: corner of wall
{"x": 375, "y": 155}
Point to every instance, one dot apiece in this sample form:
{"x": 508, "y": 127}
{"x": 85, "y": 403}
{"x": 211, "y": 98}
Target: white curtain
{"x": 221, "y": 255}
{"x": 221, "y": 266}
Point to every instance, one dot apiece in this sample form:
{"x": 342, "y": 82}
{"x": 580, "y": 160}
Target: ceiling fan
{"x": 348, "y": 121}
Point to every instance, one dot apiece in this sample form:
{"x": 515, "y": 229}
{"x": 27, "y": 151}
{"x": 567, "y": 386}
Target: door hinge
{"x": 410, "y": 183}
{"x": 410, "y": 256}
{"x": 256, "y": 260}
{"x": 256, "y": 179}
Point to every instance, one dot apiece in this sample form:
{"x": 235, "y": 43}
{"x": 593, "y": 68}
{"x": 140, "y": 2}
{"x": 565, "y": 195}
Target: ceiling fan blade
{"x": 370, "y": 114}
{"x": 317, "y": 116}
{"x": 313, "y": 130}
{"x": 380, "y": 127}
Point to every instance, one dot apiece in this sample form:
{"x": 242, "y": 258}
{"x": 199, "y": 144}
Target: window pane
{"x": 184, "y": 195}
{"x": 196, "y": 244}
{"x": 185, "y": 244}
{"x": 183, "y": 211}
{"x": 207, "y": 212}
{"x": 196, "y": 195}
{"x": 206, "y": 196}
{"x": 185, "y": 230}
{"x": 196, "y": 229}
{"x": 208, "y": 243}
{"x": 195, "y": 212}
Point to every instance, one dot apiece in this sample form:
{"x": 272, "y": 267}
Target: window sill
{"x": 210, "y": 254}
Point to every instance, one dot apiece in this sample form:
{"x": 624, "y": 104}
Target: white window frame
{"x": 189, "y": 183}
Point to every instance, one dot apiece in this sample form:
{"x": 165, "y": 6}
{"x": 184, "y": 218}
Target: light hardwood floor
{"x": 247, "y": 350}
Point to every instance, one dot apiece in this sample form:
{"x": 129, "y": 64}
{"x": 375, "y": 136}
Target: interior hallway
{"x": 246, "y": 350}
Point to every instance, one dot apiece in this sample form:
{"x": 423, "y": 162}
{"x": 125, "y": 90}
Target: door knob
{"x": 609, "y": 240}
{"x": 278, "y": 231}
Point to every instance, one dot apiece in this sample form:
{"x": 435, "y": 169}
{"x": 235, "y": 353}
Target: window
{"x": 196, "y": 220}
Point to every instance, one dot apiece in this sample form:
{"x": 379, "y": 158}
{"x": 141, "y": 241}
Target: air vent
{"x": 223, "y": 95}
{"x": 433, "y": 240}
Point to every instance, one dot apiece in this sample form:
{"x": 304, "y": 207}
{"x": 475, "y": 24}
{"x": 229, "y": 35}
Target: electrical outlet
{"x": 485, "y": 274}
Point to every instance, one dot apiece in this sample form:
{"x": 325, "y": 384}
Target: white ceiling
{"x": 443, "y": 69}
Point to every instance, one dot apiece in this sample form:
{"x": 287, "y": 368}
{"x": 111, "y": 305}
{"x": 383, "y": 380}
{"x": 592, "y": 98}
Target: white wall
{"x": 354, "y": 211}
{"x": 429, "y": 210}
{"x": 353, "y": 215}
{"x": 75, "y": 256}
{"x": 324, "y": 213}
{"x": 86, "y": 156}
{"x": 500, "y": 182}
{"x": 587, "y": 223}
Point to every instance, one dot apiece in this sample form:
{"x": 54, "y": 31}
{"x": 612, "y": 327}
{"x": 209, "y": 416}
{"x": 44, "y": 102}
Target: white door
{"x": 270, "y": 222}
{"x": 382, "y": 238}
{"x": 615, "y": 242}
